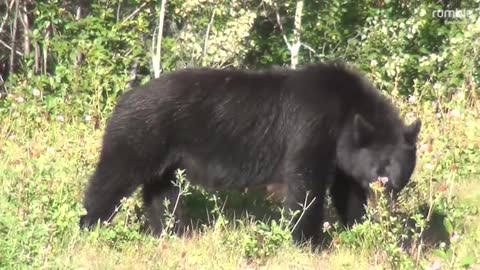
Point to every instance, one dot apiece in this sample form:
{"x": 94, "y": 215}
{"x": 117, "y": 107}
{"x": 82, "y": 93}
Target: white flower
{"x": 435, "y": 266}
{"x": 454, "y": 238}
{"x": 19, "y": 99}
{"x": 383, "y": 179}
{"x": 423, "y": 12}
{"x": 412, "y": 99}
{"x": 50, "y": 150}
{"x": 36, "y": 92}
{"x": 455, "y": 113}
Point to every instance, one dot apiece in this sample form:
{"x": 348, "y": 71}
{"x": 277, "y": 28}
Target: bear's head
{"x": 367, "y": 152}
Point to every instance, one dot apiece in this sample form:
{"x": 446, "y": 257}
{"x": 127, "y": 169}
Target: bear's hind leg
{"x": 155, "y": 192}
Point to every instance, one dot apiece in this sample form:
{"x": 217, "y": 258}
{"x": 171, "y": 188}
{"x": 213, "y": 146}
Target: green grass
{"x": 45, "y": 164}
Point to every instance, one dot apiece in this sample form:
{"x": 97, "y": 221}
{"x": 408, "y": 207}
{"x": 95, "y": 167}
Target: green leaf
{"x": 448, "y": 226}
{"x": 467, "y": 261}
{"x": 440, "y": 253}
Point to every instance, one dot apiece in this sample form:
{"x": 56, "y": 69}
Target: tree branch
{"x": 309, "y": 48}
{"x": 280, "y": 25}
{"x": 5, "y": 18}
{"x": 207, "y": 33}
{"x": 140, "y": 8}
{"x": 10, "y": 48}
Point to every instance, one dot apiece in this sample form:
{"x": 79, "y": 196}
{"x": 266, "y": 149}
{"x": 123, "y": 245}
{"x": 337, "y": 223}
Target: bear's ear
{"x": 412, "y": 131}
{"x": 362, "y": 130}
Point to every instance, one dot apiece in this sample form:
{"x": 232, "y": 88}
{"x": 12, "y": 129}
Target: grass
{"x": 45, "y": 162}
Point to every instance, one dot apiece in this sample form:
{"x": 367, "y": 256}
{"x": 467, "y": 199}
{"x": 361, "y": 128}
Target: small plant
{"x": 266, "y": 239}
{"x": 383, "y": 232}
{"x": 127, "y": 225}
{"x": 452, "y": 224}
{"x": 258, "y": 239}
{"x": 170, "y": 219}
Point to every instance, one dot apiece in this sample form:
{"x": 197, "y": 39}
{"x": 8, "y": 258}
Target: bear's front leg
{"x": 114, "y": 178}
{"x": 307, "y": 182}
{"x": 307, "y": 224}
{"x": 349, "y": 199}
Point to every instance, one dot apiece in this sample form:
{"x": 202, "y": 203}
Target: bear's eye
{"x": 382, "y": 168}
{"x": 381, "y": 171}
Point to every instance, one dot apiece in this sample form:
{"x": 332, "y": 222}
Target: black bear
{"x": 308, "y": 129}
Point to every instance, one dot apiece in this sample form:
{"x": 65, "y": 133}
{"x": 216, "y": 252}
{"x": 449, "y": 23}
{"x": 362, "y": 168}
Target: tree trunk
{"x": 157, "y": 44}
{"x": 13, "y": 45}
{"x": 295, "y": 48}
{"x": 26, "y": 29}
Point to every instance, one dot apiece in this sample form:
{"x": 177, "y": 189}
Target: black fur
{"x": 233, "y": 129}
